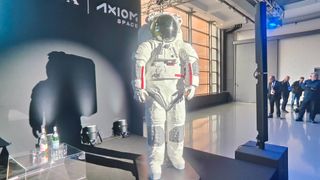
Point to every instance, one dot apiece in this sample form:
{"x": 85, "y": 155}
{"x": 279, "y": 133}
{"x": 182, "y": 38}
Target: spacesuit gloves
{"x": 140, "y": 95}
{"x": 189, "y": 92}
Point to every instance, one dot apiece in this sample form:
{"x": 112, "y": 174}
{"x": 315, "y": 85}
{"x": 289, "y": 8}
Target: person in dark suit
{"x": 285, "y": 91}
{"x": 311, "y": 97}
{"x": 296, "y": 92}
{"x": 274, "y": 95}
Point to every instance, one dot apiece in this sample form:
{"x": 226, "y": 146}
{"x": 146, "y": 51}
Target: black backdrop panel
{"x": 109, "y": 27}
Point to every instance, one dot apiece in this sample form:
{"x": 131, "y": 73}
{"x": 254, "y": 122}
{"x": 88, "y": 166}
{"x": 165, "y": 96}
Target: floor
{"x": 221, "y": 129}
{"x": 132, "y": 144}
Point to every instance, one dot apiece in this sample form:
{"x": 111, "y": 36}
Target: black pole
{"x": 261, "y": 73}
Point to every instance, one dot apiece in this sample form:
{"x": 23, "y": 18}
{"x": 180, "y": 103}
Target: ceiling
{"x": 222, "y": 14}
{"x": 280, "y": 2}
{"x": 239, "y": 11}
{"x": 286, "y": 2}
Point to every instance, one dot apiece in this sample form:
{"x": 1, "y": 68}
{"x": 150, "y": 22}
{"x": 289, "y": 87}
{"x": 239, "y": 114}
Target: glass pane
{"x": 214, "y": 88}
{"x": 202, "y": 90}
{"x": 204, "y": 77}
{"x": 27, "y": 165}
{"x": 214, "y": 66}
{"x": 214, "y": 42}
{"x": 200, "y": 24}
{"x": 200, "y": 38}
{"x": 214, "y": 30}
{"x": 204, "y": 65}
{"x": 183, "y": 15}
{"x": 214, "y": 78}
{"x": 203, "y": 52}
{"x": 214, "y": 54}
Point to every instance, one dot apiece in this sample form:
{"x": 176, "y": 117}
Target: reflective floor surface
{"x": 221, "y": 129}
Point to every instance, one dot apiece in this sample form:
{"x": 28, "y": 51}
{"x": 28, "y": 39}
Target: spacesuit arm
{"x": 141, "y": 57}
{"x": 191, "y": 66}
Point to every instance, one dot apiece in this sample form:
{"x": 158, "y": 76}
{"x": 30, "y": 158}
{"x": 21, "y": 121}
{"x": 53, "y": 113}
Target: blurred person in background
{"x": 285, "y": 91}
{"x": 311, "y": 97}
{"x": 296, "y": 92}
{"x": 274, "y": 95}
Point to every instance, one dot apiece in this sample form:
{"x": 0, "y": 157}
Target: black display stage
{"x": 272, "y": 156}
{"x": 206, "y": 166}
{"x": 124, "y": 158}
{"x": 210, "y": 166}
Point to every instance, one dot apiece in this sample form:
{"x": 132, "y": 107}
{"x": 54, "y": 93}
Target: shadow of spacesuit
{"x": 68, "y": 93}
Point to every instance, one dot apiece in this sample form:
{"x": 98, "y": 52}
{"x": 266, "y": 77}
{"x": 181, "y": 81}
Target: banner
{"x": 66, "y": 62}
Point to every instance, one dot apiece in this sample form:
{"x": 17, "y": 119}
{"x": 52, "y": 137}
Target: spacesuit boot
{"x": 175, "y": 134}
{"x": 178, "y": 162}
{"x": 155, "y": 172}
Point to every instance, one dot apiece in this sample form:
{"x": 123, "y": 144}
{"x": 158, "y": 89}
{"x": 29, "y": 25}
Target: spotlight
{"x": 120, "y": 128}
{"x": 274, "y": 22}
{"x": 275, "y": 14}
{"x": 90, "y": 135}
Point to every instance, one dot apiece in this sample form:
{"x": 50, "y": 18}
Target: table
{"x": 67, "y": 162}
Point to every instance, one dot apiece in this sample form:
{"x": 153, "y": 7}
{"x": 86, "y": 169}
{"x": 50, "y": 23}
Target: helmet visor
{"x": 165, "y": 28}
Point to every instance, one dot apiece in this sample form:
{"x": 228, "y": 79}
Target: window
{"x": 204, "y": 38}
{"x": 200, "y": 42}
{"x": 215, "y": 79}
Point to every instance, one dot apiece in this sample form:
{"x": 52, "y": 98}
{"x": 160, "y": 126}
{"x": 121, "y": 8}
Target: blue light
{"x": 272, "y": 25}
{"x": 274, "y": 22}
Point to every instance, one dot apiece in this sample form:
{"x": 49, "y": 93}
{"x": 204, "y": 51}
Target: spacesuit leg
{"x": 155, "y": 118}
{"x": 175, "y": 134}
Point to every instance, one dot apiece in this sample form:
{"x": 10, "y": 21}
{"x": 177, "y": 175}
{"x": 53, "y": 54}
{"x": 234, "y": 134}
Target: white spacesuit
{"x": 166, "y": 73}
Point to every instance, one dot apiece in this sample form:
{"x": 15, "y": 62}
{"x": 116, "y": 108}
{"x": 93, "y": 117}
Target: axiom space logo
{"x": 75, "y": 2}
{"x": 123, "y": 16}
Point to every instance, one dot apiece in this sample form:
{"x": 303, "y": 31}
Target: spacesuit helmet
{"x": 164, "y": 28}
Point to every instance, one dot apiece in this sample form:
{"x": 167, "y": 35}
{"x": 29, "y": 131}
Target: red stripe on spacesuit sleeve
{"x": 190, "y": 74}
{"x": 179, "y": 75}
{"x": 142, "y": 77}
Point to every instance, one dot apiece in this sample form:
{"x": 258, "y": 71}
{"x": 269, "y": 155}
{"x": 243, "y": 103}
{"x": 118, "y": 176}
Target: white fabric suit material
{"x": 164, "y": 71}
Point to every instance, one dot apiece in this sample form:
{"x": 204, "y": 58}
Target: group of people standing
{"x": 278, "y": 90}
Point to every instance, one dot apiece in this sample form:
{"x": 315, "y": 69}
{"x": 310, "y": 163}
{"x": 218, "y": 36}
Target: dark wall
{"x": 229, "y": 62}
{"x": 200, "y": 102}
{"x": 102, "y": 31}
